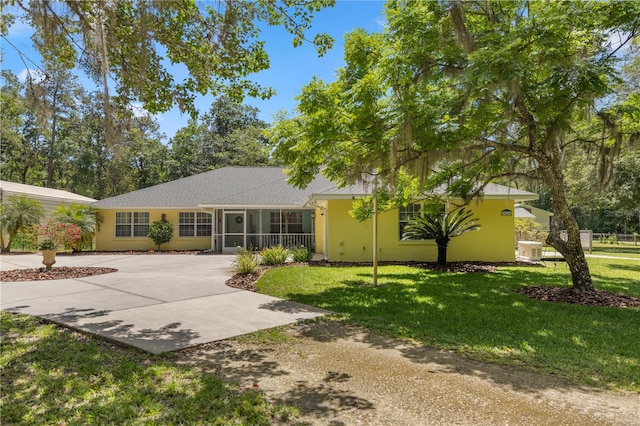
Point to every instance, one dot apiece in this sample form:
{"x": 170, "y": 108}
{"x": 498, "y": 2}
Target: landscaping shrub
{"x": 56, "y": 234}
{"x": 86, "y": 218}
{"x": 160, "y": 232}
{"x": 26, "y": 240}
{"x": 300, "y": 254}
{"x": 246, "y": 262}
{"x": 17, "y": 213}
{"x": 276, "y": 255}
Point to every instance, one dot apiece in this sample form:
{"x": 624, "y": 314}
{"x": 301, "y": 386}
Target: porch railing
{"x": 260, "y": 241}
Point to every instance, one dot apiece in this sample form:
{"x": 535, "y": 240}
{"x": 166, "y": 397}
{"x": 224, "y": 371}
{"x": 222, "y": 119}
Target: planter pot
{"x": 48, "y": 258}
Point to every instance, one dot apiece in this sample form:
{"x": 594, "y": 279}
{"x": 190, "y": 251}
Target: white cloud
{"x": 36, "y": 75}
{"x": 138, "y": 110}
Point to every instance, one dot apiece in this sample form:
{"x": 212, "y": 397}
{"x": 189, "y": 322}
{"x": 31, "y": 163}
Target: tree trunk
{"x": 99, "y": 168}
{"x": 52, "y": 143}
{"x": 442, "y": 250}
{"x": 571, "y": 249}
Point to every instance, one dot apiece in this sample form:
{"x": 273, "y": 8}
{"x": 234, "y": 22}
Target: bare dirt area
{"x": 340, "y": 375}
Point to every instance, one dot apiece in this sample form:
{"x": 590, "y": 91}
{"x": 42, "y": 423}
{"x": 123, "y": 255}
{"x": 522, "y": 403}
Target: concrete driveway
{"x": 157, "y": 303}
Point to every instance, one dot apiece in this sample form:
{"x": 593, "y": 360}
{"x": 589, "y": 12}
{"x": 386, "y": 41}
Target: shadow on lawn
{"x": 163, "y": 339}
{"x": 61, "y": 377}
{"x": 244, "y": 367}
{"x": 249, "y": 367}
{"x": 482, "y": 316}
{"x": 625, "y": 267}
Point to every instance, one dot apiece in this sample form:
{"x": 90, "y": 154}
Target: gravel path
{"x": 339, "y": 375}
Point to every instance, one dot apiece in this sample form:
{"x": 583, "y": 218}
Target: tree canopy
{"x": 466, "y": 93}
{"x": 135, "y": 44}
{"x": 54, "y": 135}
{"x": 229, "y": 134}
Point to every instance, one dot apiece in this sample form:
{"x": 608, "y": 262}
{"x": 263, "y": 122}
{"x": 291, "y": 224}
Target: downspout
{"x": 325, "y": 249}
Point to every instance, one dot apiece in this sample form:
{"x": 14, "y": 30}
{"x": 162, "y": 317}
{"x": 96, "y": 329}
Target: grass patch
{"x": 481, "y": 315}
{"x": 50, "y": 375}
{"x": 270, "y": 336}
{"x": 620, "y": 250}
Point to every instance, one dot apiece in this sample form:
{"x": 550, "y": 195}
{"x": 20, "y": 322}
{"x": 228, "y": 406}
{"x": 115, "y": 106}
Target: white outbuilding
{"x": 48, "y": 198}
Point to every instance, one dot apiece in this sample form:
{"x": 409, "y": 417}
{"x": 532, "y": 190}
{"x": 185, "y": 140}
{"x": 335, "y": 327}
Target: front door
{"x": 234, "y": 234}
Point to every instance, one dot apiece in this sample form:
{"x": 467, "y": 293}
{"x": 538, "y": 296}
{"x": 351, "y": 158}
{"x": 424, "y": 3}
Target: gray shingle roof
{"x": 250, "y": 186}
{"x": 228, "y": 186}
{"x": 491, "y": 190}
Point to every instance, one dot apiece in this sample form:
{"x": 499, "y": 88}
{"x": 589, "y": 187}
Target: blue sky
{"x": 291, "y": 67}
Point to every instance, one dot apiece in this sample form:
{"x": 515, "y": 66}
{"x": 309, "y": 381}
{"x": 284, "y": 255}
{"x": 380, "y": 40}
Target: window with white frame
{"x": 132, "y": 224}
{"x": 415, "y": 209}
{"x": 194, "y": 224}
{"x": 405, "y": 213}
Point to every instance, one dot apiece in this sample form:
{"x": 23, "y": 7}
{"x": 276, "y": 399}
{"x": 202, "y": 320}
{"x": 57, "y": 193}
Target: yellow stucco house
{"x": 235, "y": 207}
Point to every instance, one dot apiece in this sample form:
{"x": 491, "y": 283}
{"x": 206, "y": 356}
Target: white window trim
{"x": 406, "y": 220}
{"x": 195, "y": 224}
{"x": 132, "y": 224}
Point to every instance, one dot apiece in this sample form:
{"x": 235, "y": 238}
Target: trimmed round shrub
{"x": 160, "y": 232}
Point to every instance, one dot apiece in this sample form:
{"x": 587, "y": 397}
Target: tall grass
{"x": 275, "y": 255}
{"x": 246, "y": 262}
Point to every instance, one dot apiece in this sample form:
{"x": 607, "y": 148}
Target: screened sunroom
{"x": 260, "y": 228}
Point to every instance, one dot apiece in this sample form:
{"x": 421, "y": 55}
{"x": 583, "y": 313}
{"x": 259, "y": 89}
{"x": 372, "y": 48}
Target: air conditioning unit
{"x": 531, "y": 250}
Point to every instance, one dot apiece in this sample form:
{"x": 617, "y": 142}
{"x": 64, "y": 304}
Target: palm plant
{"x": 442, "y": 228}
{"x": 84, "y": 217}
{"x": 17, "y": 213}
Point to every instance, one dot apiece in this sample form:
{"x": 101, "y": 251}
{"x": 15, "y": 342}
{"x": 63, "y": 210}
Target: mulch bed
{"x": 590, "y": 298}
{"x": 127, "y": 252}
{"x": 246, "y": 282}
{"x": 61, "y": 273}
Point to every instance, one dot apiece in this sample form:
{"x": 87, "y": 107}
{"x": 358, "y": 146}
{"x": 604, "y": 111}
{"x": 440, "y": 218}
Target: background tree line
{"x": 53, "y": 135}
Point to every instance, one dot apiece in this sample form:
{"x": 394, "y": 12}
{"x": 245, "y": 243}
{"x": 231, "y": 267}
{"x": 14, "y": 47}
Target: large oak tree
{"x": 469, "y": 92}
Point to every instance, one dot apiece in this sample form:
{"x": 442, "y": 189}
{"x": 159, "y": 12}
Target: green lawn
{"x": 480, "y": 314}
{"x": 619, "y": 250}
{"x": 50, "y": 375}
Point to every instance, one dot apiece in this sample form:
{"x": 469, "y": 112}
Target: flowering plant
{"x": 58, "y": 234}
{"x": 47, "y": 245}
